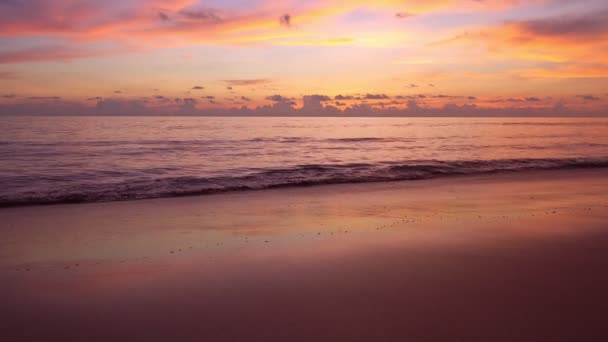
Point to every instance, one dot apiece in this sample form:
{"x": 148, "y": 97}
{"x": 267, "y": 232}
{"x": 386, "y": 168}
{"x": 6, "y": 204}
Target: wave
{"x": 300, "y": 175}
{"x": 9, "y": 147}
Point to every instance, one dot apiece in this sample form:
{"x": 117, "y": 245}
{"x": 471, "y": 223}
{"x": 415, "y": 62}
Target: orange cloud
{"x": 566, "y": 71}
{"x": 567, "y": 46}
{"x": 247, "y": 82}
{"x": 559, "y": 39}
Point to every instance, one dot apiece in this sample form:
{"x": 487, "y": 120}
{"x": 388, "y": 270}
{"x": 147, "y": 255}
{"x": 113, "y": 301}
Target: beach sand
{"x": 512, "y": 257}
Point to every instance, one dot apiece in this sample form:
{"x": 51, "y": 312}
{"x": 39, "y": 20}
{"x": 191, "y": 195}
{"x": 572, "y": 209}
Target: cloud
{"x": 320, "y": 98}
{"x": 564, "y": 46}
{"x": 246, "y": 82}
{"x": 312, "y": 103}
{"x": 44, "y": 98}
{"x": 586, "y": 25}
{"x": 90, "y": 28}
{"x": 285, "y": 20}
{"x": 568, "y": 70}
{"x": 202, "y": 15}
{"x": 376, "y": 97}
{"x": 589, "y": 97}
{"x": 532, "y": 99}
{"x": 163, "y": 16}
{"x": 342, "y": 97}
{"x": 38, "y": 15}
{"x": 56, "y": 52}
{"x": 58, "y": 107}
{"x": 245, "y": 98}
{"x": 453, "y": 39}
{"x": 403, "y": 15}
{"x": 278, "y": 98}
{"x": 151, "y": 24}
{"x": 284, "y": 106}
{"x": 121, "y": 107}
{"x": 186, "y": 106}
{"x": 198, "y": 88}
{"x": 8, "y": 75}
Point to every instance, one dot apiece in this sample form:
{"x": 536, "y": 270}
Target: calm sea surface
{"x": 84, "y": 159}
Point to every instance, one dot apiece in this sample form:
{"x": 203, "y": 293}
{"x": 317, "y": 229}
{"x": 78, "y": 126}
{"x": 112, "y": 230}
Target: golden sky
{"x": 193, "y": 56}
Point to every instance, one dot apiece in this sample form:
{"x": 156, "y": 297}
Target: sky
{"x": 304, "y": 57}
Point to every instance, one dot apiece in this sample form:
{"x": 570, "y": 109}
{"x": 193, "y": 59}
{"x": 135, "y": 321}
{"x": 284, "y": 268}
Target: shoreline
{"x": 599, "y": 115}
{"x": 502, "y": 258}
{"x": 595, "y": 165}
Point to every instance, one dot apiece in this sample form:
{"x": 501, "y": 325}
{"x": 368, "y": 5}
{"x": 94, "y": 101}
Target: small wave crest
{"x": 300, "y": 175}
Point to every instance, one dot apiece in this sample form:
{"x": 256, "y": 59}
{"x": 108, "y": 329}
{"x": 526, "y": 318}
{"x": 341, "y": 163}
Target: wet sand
{"x": 520, "y": 257}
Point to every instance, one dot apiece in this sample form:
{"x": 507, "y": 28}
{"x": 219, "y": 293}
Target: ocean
{"x": 45, "y": 160}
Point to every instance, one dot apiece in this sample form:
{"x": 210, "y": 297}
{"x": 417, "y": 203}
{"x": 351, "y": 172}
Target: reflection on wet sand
{"x": 501, "y": 258}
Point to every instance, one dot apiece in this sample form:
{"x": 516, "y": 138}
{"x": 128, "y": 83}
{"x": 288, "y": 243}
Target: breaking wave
{"x": 301, "y": 175}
